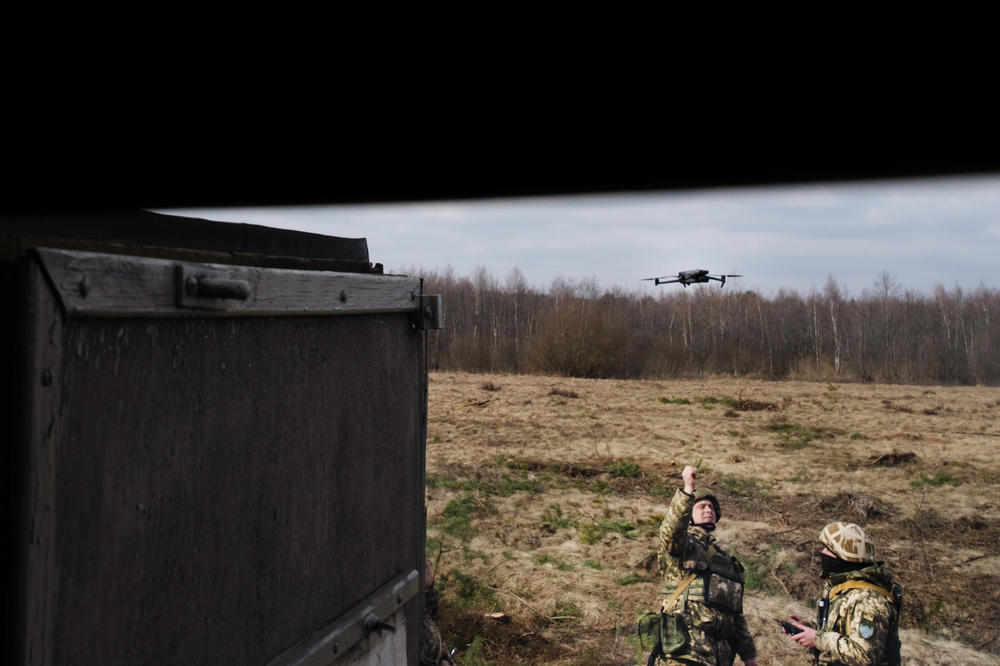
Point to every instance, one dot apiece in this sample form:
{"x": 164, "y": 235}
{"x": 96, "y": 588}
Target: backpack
{"x": 893, "y": 646}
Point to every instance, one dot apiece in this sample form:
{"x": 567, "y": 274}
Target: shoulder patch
{"x": 867, "y": 625}
{"x": 866, "y": 630}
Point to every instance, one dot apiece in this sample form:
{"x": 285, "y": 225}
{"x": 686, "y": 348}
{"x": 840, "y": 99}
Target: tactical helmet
{"x": 715, "y": 504}
{"x": 848, "y": 542}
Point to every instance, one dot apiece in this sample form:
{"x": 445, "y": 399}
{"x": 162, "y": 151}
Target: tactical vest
{"x": 719, "y": 576}
{"x": 894, "y": 595}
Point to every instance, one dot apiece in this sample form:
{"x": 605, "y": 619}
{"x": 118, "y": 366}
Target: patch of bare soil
{"x": 544, "y": 495}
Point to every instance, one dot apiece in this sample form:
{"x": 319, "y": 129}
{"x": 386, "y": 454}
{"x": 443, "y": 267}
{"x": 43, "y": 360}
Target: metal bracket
{"x": 431, "y": 314}
{"x": 337, "y": 638}
{"x": 199, "y": 287}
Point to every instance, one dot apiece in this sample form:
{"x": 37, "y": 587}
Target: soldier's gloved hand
{"x": 690, "y": 475}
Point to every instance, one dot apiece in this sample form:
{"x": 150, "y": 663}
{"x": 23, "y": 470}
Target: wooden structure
{"x": 217, "y": 435}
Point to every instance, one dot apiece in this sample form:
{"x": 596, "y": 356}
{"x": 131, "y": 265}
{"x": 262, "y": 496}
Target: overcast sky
{"x": 923, "y": 232}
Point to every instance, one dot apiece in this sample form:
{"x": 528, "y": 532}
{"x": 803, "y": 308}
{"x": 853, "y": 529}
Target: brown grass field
{"x": 544, "y": 495}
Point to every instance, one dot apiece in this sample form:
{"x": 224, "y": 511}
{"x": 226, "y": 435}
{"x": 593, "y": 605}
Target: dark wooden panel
{"x": 38, "y": 431}
{"x": 141, "y": 232}
{"x": 224, "y": 487}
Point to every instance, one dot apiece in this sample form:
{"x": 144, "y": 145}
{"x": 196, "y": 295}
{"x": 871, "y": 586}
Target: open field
{"x": 544, "y": 495}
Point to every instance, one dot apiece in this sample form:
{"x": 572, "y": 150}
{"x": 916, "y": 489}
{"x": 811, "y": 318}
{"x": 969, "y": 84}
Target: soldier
{"x": 859, "y": 613}
{"x": 702, "y": 618}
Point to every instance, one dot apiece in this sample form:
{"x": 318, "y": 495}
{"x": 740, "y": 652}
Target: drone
{"x": 691, "y": 277}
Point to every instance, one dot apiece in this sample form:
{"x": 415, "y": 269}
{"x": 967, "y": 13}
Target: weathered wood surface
{"x": 210, "y": 490}
{"x": 40, "y": 401}
{"x": 92, "y": 284}
{"x": 134, "y": 229}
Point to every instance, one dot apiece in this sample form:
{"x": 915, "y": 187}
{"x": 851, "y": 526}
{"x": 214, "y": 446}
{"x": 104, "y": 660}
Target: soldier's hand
{"x": 690, "y": 476}
{"x": 807, "y": 638}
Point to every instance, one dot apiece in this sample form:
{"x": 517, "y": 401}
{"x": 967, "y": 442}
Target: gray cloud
{"x": 925, "y": 232}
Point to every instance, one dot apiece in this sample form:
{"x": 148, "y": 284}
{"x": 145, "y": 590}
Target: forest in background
{"x": 887, "y": 334}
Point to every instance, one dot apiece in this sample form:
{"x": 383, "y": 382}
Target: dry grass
{"x": 544, "y": 493}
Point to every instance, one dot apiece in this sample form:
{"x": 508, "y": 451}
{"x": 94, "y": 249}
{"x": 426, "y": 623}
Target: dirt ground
{"x": 544, "y": 495}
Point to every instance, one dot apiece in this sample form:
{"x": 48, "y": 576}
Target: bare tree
{"x": 888, "y": 334}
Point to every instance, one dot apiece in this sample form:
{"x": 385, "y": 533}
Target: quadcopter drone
{"x": 691, "y": 277}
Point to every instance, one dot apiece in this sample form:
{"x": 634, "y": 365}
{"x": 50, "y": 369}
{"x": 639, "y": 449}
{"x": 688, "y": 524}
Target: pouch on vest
{"x": 647, "y": 626}
{"x": 724, "y": 582}
{"x": 661, "y": 633}
{"x": 724, "y": 592}
{"x": 673, "y": 633}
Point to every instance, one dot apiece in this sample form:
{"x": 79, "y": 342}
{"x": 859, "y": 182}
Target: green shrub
{"x": 754, "y": 571}
{"x": 795, "y": 436}
{"x": 591, "y": 533}
{"x": 745, "y": 486}
{"x": 620, "y": 468}
{"x": 473, "y": 656}
{"x": 456, "y": 519}
{"x": 631, "y": 578}
{"x": 553, "y": 517}
{"x": 468, "y": 589}
{"x": 566, "y": 610}
{"x": 939, "y": 479}
{"x": 558, "y": 563}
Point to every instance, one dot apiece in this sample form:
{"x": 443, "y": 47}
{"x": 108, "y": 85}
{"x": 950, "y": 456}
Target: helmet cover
{"x": 848, "y": 542}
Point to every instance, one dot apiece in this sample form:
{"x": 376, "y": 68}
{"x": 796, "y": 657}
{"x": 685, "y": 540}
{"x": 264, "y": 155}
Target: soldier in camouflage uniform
{"x": 860, "y": 603}
{"x": 711, "y": 606}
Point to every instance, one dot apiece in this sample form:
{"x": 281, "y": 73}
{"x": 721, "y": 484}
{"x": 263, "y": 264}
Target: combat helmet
{"x": 848, "y": 542}
{"x": 715, "y": 504}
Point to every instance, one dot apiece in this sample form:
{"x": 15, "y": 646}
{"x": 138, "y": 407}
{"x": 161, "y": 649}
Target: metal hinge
{"x": 431, "y": 314}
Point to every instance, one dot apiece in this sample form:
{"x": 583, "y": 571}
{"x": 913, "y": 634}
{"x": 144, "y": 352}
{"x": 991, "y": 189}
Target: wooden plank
{"x": 225, "y": 486}
{"x": 97, "y": 284}
{"x": 143, "y": 229}
{"x": 40, "y": 336}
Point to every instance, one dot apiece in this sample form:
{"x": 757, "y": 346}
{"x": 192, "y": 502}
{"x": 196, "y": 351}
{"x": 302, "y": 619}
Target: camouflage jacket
{"x": 716, "y": 635}
{"x": 860, "y": 621}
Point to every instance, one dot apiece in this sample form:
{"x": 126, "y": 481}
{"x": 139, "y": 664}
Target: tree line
{"x": 887, "y": 334}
